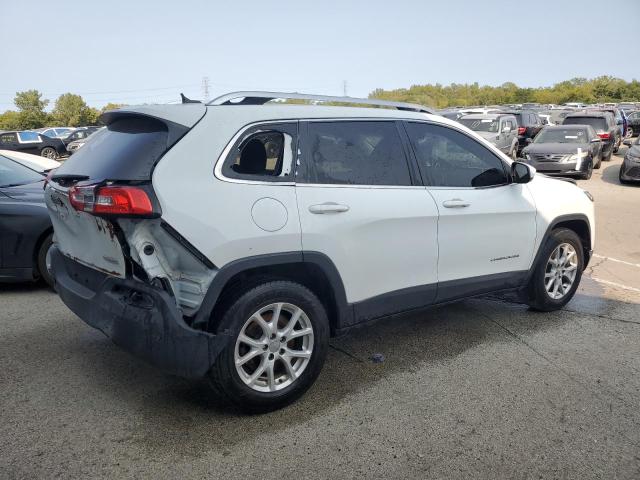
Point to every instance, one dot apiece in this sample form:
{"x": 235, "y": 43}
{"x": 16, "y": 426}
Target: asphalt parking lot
{"x": 479, "y": 389}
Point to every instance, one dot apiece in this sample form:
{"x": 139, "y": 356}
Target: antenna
{"x": 205, "y": 89}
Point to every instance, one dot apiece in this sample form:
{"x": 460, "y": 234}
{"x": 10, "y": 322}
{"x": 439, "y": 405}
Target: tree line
{"x": 596, "y": 90}
{"x": 69, "y": 110}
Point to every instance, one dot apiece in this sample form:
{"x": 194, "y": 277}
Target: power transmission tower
{"x": 205, "y": 88}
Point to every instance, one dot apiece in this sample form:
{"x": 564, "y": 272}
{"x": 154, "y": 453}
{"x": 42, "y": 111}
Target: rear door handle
{"x": 455, "y": 203}
{"x": 328, "y": 207}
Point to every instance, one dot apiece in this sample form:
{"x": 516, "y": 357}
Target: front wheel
{"x": 558, "y": 273}
{"x": 280, "y": 338}
{"x": 49, "y": 152}
{"x": 587, "y": 175}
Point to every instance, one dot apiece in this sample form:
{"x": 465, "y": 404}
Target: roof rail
{"x": 260, "y": 98}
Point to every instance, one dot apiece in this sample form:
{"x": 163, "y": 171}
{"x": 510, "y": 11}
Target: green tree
{"x": 72, "y": 111}
{"x": 10, "y": 120}
{"x": 31, "y": 107}
{"x": 112, "y": 106}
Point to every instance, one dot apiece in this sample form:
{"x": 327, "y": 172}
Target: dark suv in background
{"x": 529, "y": 124}
{"x": 603, "y": 123}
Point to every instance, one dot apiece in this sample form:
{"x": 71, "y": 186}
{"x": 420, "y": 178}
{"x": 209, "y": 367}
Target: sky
{"x": 143, "y": 51}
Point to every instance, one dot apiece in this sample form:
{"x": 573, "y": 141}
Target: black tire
{"x": 599, "y": 164}
{"x": 49, "y": 152}
{"x": 225, "y": 380}
{"x": 622, "y": 181}
{"x": 539, "y": 299}
{"x": 587, "y": 175}
{"x": 41, "y": 260}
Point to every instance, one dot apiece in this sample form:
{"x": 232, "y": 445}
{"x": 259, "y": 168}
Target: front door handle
{"x": 328, "y": 207}
{"x": 455, "y": 203}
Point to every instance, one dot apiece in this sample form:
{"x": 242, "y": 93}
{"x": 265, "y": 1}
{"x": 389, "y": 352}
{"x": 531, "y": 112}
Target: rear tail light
{"x": 604, "y": 136}
{"x": 112, "y": 200}
{"x": 522, "y": 130}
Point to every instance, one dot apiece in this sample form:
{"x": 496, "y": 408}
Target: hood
{"x": 634, "y": 151}
{"x": 31, "y": 192}
{"x": 556, "y": 148}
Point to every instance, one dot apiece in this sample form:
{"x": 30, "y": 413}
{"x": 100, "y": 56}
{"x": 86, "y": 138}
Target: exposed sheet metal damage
{"x": 165, "y": 259}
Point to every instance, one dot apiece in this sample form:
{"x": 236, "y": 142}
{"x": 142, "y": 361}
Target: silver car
{"x": 500, "y": 129}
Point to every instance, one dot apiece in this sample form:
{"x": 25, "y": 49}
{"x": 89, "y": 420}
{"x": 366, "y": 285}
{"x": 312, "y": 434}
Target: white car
{"x": 34, "y": 162}
{"x": 231, "y": 240}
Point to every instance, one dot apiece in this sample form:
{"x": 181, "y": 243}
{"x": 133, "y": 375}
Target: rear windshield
{"x": 481, "y": 125}
{"x": 598, "y": 123}
{"x": 13, "y": 174}
{"x": 125, "y": 150}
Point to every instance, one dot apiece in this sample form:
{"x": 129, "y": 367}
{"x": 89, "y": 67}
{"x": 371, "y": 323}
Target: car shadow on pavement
{"x": 188, "y": 415}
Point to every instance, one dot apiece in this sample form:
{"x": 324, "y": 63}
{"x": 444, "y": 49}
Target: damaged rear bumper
{"x": 137, "y": 317}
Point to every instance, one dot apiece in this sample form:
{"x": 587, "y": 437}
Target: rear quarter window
{"x": 127, "y": 149}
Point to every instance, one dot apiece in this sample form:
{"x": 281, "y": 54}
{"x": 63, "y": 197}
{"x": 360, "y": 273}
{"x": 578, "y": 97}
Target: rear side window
{"x": 127, "y": 149}
{"x": 598, "y": 123}
{"x": 263, "y": 153}
{"x": 354, "y": 152}
{"x": 29, "y": 137}
{"x": 448, "y": 158}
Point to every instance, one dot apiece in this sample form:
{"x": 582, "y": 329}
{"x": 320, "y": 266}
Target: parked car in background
{"x": 73, "y": 146}
{"x": 621, "y": 122}
{"x": 499, "y": 129}
{"x": 603, "y": 123}
{"x": 55, "y": 132}
{"x": 630, "y": 167}
{"x": 529, "y": 124}
{"x": 634, "y": 124}
{"x": 78, "y": 134}
{"x": 32, "y": 142}
{"x": 25, "y": 225}
{"x": 34, "y": 162}
{"x": 248, "y": 295}
{"x": 567, "y": 150}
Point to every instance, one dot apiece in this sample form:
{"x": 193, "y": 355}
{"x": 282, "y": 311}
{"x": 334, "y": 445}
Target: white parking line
{"x": 637, "y": 265}
{"x": 616, "y": 285}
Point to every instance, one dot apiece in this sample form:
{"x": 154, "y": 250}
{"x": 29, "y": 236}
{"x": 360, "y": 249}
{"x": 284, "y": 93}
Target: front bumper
{"x": 630, "y": 170}
{"x": 558, "y": 168}
{"x": 137, "y": 317}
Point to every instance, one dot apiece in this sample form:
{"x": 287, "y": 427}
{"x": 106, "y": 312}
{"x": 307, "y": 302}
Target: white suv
{"x": 231, "y": 240}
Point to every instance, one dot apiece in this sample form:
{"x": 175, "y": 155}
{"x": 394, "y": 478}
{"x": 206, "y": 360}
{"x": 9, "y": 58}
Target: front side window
{"x": 263, "y": 153}
{"x": 29, "y": 137}
{"x": 448, "y": 158}
{"x": 355, "y": 153}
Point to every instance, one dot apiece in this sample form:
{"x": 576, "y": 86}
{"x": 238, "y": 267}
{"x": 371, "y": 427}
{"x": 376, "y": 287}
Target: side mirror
{"x": 528, "y": 140}
{"x": 627, "y": 142}
{"x": 506, "y": 129}
{"x": 521, "y": 172}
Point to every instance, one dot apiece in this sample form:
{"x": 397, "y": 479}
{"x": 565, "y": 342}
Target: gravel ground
{"x": 479, "y": 389}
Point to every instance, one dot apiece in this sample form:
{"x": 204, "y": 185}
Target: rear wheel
{"x": 49, "y": 152}
{"x": 280, "y": 337}
{"x": 558, "y": 273}
{"x": 41, "y": 260}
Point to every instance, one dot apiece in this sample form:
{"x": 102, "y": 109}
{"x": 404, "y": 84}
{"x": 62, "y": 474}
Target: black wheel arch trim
{"x": 227, "y": 272}
{"x": 554, "y": 223}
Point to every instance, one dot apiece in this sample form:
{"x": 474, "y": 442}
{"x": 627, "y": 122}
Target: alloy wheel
{"x": 560, "y": 272}
{"x": 49, "y": 152}
{"x": 274, "y": 347}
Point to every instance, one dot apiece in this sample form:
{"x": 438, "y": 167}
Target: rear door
{"x": 486, "y": 228}
{"x": 362, "y": 206}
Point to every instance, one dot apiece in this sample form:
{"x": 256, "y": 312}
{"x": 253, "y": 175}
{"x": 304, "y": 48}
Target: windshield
{"x": 562, "y": 135}
{"x": 13, "y": 173}
{"x": 481, "y": 125}
{"x": 598, "y": 123}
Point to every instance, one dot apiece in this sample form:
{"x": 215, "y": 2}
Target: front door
{"x": 361, "y": 205}
{"x": 486, "y": 228}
